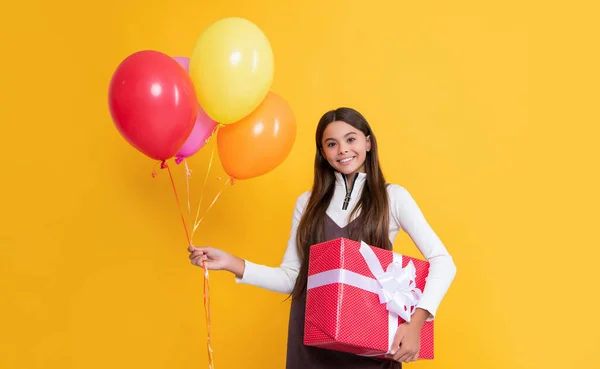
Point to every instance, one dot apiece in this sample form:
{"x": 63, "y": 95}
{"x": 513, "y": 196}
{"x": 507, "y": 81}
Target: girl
{"x": 350, "y": 198}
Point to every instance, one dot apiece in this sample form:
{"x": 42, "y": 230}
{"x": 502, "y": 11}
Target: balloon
{"x": 202, "y": 131}
{"x": 232, "y": 69}
{"x": 259, "y": 142}
{"x": 184, "y": 62}
{"x": 153, "y": 103}
{"x": 203, "y": 127}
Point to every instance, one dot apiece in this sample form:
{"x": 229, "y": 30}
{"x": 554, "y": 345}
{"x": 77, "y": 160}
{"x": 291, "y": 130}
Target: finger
{"x": 196, "y": 254}
{"x": 200, "y": 257}
{"x": 202, "y": 260}
{"x": 194, "y": 261}
{"x": 416, "y": 357}
{"x": 198, "y": 260}
{"x": 402, "y": 354}
{"x": 198, "y": 263}
{"x": 395, "y": 347}
{"x": 407, "y": 357}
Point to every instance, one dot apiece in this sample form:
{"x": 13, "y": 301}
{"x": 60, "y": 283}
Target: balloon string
{"x": 211, "y": 204}
{"x": 206, "y": 284}
{"x": 187, "y": 234}
{"x": 210, "y": 162}
{"x": 203, "y": 188}
{"x": 207, "y": 315}
{"x": 188, "y": 173}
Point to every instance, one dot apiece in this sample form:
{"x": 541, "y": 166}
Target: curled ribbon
{"x": 190, "y": 235}
{"x": 164, "y": 165}
{"x": 398, "y": 289}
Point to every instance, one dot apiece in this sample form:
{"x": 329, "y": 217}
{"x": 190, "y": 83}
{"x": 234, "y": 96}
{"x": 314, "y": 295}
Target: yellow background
{"x": 485, "y": 111}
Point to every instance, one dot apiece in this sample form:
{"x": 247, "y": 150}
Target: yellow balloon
{"x": 232, "y": 69}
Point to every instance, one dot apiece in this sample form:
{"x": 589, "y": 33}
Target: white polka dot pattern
{"x": 345, "y": 318}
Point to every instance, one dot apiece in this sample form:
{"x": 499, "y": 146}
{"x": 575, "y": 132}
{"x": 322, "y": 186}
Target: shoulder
{"x": 302, "y": 200}
{"x": 402, "y": 205}
{"x": 397, "y": 193}
{"x": 400, "y": 199}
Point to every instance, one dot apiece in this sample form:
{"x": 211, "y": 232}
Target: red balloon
{"x": 153, "y": 103}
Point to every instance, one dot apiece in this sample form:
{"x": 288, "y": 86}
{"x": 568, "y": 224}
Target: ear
{"x": 368, "y": 143}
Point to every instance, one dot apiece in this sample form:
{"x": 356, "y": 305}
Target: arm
{"x": 442, "y": 269}
{"x": 278, "y": 279}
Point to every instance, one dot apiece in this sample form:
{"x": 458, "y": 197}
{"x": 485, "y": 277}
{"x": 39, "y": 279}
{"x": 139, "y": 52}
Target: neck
{"x": 356, "y": 177}
{"x": 350, "y": 177}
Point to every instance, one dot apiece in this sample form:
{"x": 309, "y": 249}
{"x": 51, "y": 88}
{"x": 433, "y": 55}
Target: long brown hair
{"x": 371, "y": 225}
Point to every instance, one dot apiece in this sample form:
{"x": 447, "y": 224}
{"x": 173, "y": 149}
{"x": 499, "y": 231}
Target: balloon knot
{"x": 163, "y": 165}
{"x": 179, "y": 159}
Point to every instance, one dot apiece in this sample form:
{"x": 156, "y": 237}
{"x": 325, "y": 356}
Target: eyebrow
{"x": 346, "y": 135}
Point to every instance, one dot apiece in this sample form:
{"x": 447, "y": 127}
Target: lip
{"x": 347, "y": 162}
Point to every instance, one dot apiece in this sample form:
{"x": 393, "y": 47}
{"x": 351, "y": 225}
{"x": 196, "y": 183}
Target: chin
{"x": 347, "y": 170}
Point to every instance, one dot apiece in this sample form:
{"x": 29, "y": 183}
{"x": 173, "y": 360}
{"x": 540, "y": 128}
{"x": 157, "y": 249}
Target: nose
{"x": 342, "y": 149}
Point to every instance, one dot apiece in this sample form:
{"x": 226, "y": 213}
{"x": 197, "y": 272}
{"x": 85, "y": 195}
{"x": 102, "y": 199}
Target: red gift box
{"x": 358, "y": 295}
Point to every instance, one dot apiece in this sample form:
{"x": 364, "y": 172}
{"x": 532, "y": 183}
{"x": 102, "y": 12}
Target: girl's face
{"x": 345, "y": 147}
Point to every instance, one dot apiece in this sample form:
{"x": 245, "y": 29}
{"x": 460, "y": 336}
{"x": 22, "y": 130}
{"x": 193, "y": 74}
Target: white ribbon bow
{"x": 398, "y": 288}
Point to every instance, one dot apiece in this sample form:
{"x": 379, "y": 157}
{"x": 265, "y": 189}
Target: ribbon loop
{"x": 398, "y": 288}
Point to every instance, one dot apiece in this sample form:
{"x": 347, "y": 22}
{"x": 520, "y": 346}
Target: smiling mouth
{"x": 346, "y": 160}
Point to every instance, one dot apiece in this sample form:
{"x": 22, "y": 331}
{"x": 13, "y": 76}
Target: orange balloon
{"x": 259, "y": 142}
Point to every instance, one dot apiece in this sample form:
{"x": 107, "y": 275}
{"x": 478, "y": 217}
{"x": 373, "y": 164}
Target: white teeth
{"x": 345, "y": 160}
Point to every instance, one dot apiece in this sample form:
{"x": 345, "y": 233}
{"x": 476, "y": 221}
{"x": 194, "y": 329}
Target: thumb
{"x": 398, "y": 337}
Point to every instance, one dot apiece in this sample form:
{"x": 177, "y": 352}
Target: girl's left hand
{"x": 407, "y": 343}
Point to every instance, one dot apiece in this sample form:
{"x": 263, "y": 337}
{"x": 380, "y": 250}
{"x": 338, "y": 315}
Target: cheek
{"x": 330, "y": 154}
{"x": 361, "y": 150}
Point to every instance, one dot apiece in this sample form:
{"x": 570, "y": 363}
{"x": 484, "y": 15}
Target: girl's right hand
{"x": 215, "y": 259}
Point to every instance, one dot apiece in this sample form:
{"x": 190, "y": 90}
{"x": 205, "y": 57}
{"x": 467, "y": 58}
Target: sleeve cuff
{"x": 425, "y": 305}
{"x": 249, "y": 267}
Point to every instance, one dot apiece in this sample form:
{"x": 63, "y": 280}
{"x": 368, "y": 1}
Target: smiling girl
{"x": 349, "y": 198}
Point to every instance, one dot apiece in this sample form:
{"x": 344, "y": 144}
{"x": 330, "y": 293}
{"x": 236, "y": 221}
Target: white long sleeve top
{"x": 405, "y": 215}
